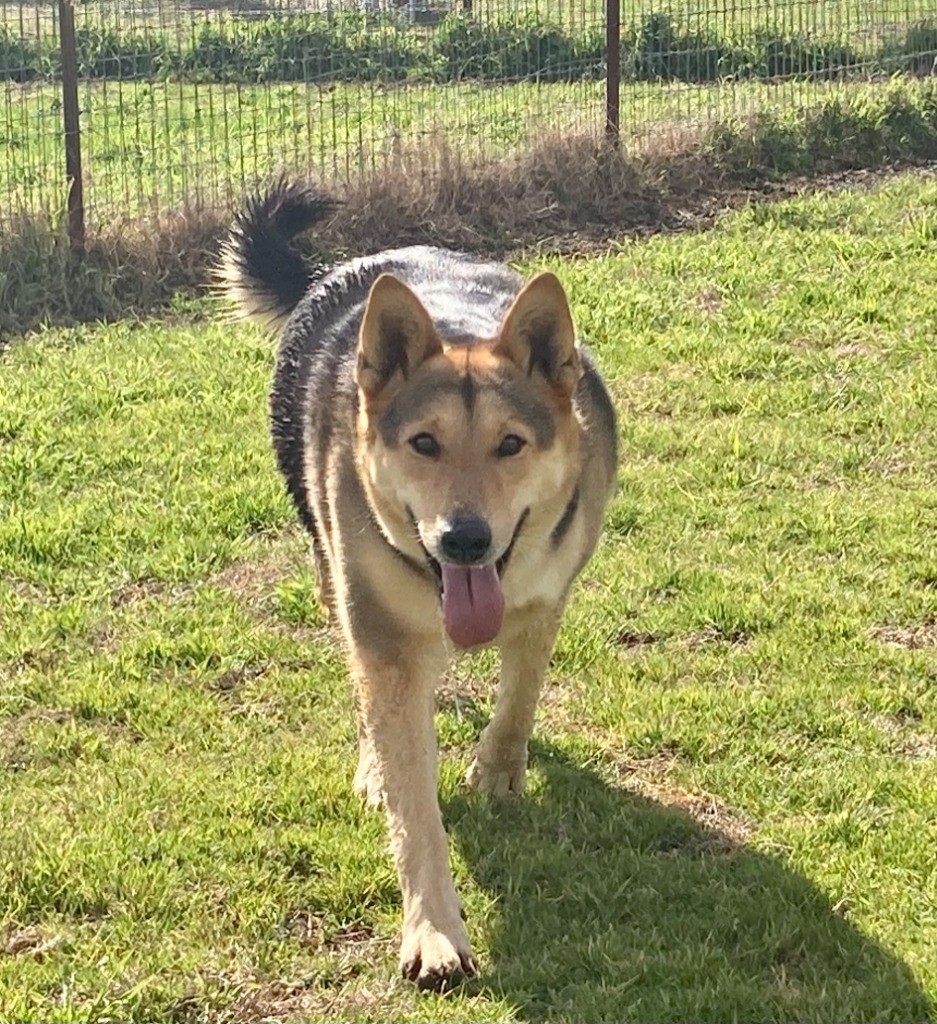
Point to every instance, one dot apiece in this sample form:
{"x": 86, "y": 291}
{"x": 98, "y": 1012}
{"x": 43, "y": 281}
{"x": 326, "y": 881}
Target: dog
{"x": 451, "y": 448}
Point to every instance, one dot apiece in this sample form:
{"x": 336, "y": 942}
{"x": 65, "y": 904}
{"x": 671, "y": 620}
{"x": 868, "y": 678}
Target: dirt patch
{"x": 709, "y": 302}
{"x": 812, "y": 483}
{"x": 46, "y": 716}
{"x": 723, "y": 829}
{"x": 463, "y": 696}
{"x": 890, "y": 467}
{"x": 306, "y": 998}
{"x": 655, "y": 766}
{"x": 709, "y": 635}
{"x": 333, "y": 987}
{"x": 917, "y": 747}
{"x": 350, "y": 936}
{"x": 252, "y": 580}
{"x": 310, "y": 928}
{"x": 32, "y": 941}
{"x": 898, "y": 721}
{"x": 555, "y": 690}
{"x": 140, "y": 590}
{"x": 912, "y": 638}
{"x": 632, "y": 640}
{"x": 306, "y": 926}
{"x": 28, "y": 590}
{"x": 636, "y": 640}
{"x": 903, "y": 735}
{"x": 851, "y": 351}
{"x": 39, "y": 658}
{"x": 231, "y": 679}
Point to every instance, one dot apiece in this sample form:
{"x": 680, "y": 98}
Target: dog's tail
{"x": 259, "y": 271}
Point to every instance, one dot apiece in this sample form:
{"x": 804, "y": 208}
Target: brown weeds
{"x": 566, "y": 194}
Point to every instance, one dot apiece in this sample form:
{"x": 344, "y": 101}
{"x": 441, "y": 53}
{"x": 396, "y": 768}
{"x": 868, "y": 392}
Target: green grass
{"x": 731, "y": 808}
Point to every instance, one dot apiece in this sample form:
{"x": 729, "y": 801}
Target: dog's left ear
{"x": 397, "y": 335}
{"x": 537, "y": 333}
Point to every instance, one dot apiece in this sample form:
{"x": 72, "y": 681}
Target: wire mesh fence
{"x": 182, "y": 101}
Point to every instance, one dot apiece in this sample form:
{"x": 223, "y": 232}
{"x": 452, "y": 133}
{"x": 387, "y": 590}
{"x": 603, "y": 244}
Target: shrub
{"x": 21, "y": 60}
{"x": 867, "y": 130}
{"x": 215, "y": 55}
{"x": 661, "y": 51}
{"x": 349, "y": 46}
{"x": 778, "y": 56}
{"x": 105, "y": 53}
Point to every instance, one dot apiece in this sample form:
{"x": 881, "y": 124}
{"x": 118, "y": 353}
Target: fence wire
{"x": 186, "y": 101}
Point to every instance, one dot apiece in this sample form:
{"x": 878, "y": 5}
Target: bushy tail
{"x": 259, "y": 271}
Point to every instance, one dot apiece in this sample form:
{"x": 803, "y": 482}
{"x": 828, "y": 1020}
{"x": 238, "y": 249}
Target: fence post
{"x": 76, "y": 202}
{"x": 613, "y": 72}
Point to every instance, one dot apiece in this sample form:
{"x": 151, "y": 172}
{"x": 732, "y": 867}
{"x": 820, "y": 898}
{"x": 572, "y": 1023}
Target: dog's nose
{"x": 465, "y": 540}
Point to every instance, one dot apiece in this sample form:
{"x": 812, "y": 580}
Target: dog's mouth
{"x": 471, "y": 595}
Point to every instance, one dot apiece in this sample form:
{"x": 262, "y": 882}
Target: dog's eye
{"x": 511, "y": 444}
{"x": 425, "y": 444}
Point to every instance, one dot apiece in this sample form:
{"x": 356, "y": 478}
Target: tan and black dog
{"x": 451, "y": 449}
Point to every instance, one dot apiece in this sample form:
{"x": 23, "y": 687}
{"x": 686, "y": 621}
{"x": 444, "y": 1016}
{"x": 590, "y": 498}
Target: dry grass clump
{"x": 127, "y": 269}
{"x": 563, "y": 193}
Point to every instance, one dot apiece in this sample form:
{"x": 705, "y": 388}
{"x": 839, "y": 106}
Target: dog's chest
{"x": 542, "y": 572}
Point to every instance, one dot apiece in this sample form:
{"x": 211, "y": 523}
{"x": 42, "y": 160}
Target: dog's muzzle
{"x": 466, "y": 540}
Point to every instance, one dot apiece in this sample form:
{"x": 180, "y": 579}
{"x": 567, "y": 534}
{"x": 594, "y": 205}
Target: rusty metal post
{"x": 613, "y": 72}
{"x": 76, "y": 202}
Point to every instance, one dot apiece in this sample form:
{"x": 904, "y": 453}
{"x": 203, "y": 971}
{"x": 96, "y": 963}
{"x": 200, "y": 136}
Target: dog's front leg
{"x": 395, "y": 702}
{"x": 500, "y": 765}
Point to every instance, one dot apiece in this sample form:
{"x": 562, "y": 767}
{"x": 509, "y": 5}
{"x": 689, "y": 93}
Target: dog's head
{"x": 459, "y": 442}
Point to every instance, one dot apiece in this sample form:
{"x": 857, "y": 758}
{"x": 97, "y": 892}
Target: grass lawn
{"x": 732, "y": 811}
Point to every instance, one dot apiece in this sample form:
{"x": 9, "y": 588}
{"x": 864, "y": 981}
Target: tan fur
{"x": 378, "y": 508}
{"x": 394, "y": 679}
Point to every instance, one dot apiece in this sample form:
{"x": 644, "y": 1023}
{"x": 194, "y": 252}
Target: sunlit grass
{"x": 731, "y": 807}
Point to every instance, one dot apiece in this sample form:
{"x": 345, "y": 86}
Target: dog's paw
{"x": 505, "y": 776}
{"x": 368, "y": 783}
{"x": 436, "y": 960}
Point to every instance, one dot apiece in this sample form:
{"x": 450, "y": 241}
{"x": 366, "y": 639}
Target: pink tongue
{"x": 472, "y": 603}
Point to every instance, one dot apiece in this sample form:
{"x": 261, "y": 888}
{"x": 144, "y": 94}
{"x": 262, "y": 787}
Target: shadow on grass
{"x": 613, "y": 907}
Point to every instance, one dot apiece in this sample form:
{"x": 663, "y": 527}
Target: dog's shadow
{"x": 613, "y": 907}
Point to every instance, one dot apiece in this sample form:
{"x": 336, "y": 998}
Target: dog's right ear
{"x": 397, "y": 335}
